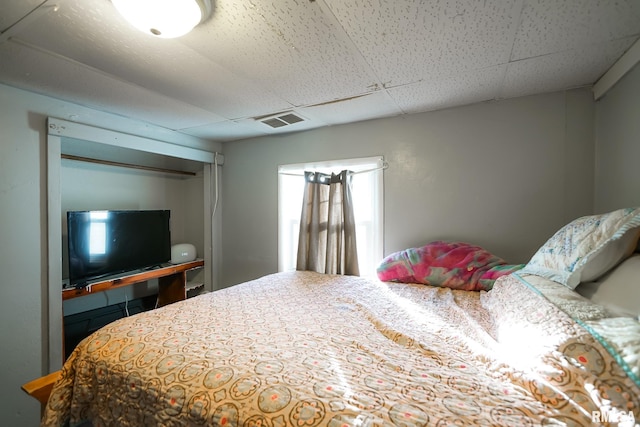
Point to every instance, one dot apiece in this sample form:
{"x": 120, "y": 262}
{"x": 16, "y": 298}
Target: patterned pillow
{"x": 456, "y": 265}
{"x": 587, "y": 248}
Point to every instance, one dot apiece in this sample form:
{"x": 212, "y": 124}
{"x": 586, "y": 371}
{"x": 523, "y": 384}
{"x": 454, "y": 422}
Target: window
{"x": 97, "y": 234}
{"x": 367, "y": 191}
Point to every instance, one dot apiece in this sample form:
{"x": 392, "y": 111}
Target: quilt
{"x": 307, "y": 349}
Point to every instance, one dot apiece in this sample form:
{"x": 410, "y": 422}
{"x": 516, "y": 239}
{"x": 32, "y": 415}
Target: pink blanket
{"x": 455, "y": 265}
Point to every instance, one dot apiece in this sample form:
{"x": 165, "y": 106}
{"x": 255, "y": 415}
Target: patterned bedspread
{"x": 305, "y": 349}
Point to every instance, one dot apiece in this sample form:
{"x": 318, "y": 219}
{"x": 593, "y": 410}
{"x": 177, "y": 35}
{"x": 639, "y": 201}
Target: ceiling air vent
{"x": 281, "y": 120}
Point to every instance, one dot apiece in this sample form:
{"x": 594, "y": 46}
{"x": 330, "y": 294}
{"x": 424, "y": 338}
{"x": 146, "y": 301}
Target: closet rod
{"x": 124, "y": 165}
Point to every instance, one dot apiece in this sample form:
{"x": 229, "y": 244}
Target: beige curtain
{"x": 327, "y": 241}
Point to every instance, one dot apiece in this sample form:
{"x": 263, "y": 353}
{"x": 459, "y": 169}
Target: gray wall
{"x": 503, "y": 175}
{"x": 23, "y": 231}
{"x": 617, "y": 170}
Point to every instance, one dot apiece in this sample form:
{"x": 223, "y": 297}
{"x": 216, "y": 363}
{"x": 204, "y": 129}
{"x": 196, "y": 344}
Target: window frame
{"x": 363, "y": 167}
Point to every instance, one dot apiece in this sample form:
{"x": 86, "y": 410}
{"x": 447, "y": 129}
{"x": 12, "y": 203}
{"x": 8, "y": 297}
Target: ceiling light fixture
{"x": 164, "y": 18}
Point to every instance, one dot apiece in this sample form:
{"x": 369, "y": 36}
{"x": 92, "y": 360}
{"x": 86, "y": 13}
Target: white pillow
{"x": 619, "y": 290}
{"x": 587, "y": 247}
{"x": 610, "y": 256}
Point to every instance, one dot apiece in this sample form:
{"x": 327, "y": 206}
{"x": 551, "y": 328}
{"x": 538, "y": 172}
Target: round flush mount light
{"x": 164, "y": 18}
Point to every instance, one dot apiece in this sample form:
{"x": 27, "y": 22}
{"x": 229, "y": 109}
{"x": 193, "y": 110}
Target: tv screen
{"x": 104, "y": 243}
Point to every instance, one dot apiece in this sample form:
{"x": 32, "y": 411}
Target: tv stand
{"x": 172, "y": 282}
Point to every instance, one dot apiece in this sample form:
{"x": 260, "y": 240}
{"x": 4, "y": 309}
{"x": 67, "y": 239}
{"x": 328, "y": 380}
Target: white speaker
{"x": 182, "y": 252}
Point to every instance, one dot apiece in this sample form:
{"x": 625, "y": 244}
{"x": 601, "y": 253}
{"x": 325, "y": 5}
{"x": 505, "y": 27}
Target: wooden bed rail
{"x": 40, "y": 388}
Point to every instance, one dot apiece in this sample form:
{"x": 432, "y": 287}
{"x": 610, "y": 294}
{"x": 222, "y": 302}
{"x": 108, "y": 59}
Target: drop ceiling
{"x": 325, "y": 61}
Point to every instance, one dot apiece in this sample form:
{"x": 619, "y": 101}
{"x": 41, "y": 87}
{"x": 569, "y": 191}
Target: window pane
{"x": 290, "y": 192}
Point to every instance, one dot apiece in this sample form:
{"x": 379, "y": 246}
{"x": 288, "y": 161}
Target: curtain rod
{"x": 124, "y": 165}
{"x": 384, "y": 166}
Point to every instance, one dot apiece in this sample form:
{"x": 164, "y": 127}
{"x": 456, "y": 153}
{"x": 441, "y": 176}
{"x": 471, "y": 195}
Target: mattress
{"x": 307, "y": 349}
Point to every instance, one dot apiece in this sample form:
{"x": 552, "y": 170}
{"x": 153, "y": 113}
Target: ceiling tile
{"x": 550, "y": 26}
{"x": 63, "y": 79}
{"x": 292, "y": 47}
{"x": 11, "y": 11}
{"x": 447, "y": 91}
{"x": 562, "y": 70}
{"x": 407, "y": 41}
{"x": 365, "y": 107}
{"x": 227, "y": 130}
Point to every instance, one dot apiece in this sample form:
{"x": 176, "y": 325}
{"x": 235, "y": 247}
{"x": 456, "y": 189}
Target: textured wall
{"x": 618, "y": 145}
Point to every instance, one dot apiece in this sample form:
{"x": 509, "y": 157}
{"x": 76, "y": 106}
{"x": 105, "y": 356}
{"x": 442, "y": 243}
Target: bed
{"x": 308, "y": 349}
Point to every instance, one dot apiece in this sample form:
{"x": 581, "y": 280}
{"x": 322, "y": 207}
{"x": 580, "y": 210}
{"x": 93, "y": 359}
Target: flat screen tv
{"x": 105, "y": 243}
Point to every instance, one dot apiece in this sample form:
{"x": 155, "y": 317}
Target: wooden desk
{"x": 172, "y": 282}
